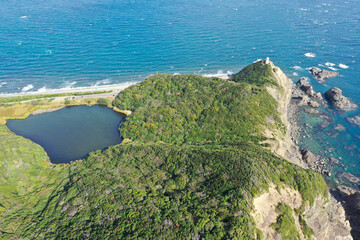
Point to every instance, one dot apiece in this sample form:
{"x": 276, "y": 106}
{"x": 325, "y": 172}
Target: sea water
{"x": 51, "y": 44}
{"x": 71, "y": 133}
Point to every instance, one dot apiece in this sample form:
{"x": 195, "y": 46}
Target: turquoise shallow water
{"x": 71, "y": 133}
{"x": 61, "y": 44}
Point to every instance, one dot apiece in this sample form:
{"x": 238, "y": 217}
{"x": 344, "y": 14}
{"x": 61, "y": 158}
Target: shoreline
{"x": 112, "y": 87}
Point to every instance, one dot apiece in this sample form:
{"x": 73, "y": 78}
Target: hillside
{"x": 192, "y": 163}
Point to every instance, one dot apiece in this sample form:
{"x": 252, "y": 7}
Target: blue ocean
{"x": 53, "y": 44}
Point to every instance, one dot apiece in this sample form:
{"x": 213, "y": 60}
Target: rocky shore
{"x": 334, "y": 224}
{"x": 303, "y": 96}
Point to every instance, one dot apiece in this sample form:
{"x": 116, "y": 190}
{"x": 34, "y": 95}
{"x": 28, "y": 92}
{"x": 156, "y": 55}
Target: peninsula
{"x": 202, "y": 158}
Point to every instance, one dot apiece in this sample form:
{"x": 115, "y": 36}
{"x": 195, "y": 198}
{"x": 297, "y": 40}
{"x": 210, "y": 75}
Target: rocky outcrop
{"x": 351, "y": 201}
{"x": 311, "y": 111}
{"x": 348, "y": 177}
{"x": 314, "y": 104}
{"x": 354, "y": 120}
{"x": 308, "y": 157}
{"x": 326, "y": 217}
{"x": 322, "y": 74}
{"x": 334, "y": 95}
{"x": 304, "y": 85}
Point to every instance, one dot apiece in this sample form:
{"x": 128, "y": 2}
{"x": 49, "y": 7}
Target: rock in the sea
{"x": 322, "y": 74}
{"x": 334, "y": 95}
{"x": 314, "y": 104}
{"x": 305, "y": 86}
{"x": 354, "y": 120}
{"x": 345, "y": 191}
{"x": 311, "y": 111}
{"x": 339, "y": 127}
{"x": 308, "y": 157}
{"x": 348, "y": 177}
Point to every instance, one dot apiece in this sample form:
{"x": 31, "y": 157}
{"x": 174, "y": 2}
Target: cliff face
{"x": 326, "y": 216}
{"x": 281, "y": 142}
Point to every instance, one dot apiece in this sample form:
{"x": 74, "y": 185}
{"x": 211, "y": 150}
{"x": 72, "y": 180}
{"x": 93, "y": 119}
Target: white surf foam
{"x": 309, "y": 54}
{"x": 329, "y": 64}
{"x": 334, "y": 69}
{"x": 295, "y": 74}
{"x": 42, "y": 90}
{"x": 23, "y": 17}
{"x": 297, "y": 67}
{"x": 102, "y": 82}
{"x": 343, "y": 66}
{"x": 27, "y": 88}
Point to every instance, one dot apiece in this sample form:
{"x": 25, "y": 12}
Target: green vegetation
{"x": 285, "y": 223}
{"x": 189, "y": 167}
{"x": 103, "y": 101}
{"x": 257, "y": 73}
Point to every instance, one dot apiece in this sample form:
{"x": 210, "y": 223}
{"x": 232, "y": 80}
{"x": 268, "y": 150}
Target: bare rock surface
{"x": 322, "y": 74}
{"x": 334, "y": 95}
{"x": 308, "y": 157}
{"x": 348, "y": 177}
{"x": 311, "y": 111}
{"x": 304, "y": 85}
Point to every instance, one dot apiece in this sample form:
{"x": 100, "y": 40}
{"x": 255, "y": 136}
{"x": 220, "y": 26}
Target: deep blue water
{"x": 47, "y": 44}
{"x": 71, "y": 133}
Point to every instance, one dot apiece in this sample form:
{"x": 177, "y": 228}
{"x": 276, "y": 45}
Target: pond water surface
{"x": 71, "y": 133}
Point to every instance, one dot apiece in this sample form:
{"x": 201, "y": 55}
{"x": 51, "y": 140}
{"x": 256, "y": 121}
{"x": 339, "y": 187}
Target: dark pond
{"x": 71, "y": 133}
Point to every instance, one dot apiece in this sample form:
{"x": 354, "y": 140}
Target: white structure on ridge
{"x": 267, "y": 60}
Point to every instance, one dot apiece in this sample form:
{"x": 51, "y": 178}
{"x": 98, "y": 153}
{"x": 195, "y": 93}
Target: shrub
{"x": 103, "y": 101}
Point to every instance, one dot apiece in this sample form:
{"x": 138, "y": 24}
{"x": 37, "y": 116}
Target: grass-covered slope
{"x": 190, "y": 167}
{"x": 26, "y": 176}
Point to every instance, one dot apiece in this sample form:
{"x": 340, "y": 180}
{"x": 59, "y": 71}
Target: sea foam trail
{"x": 329, "y": 64}
{"x": 27, "y": 88}
{"x": 309, "y": 54}
{"x": 297, "y": 67}
{"x": 343, "y": 66}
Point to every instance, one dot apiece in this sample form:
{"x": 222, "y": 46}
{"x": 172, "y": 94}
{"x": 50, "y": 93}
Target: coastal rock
{"x": 348, "y": 177}
{"x": 345, "y": 191}
{"x": 314, "y": 104}
{"x": 354, "y": 120}
{"x": 311, "y": 111}
{"x": 334, "y": 95}
{"x": 305, "y": 86}
{"x": 308, "y": 157}
{"x": 322, "y": 74}
{"x": 339, "y": 127}
{"x": 304, "y": 100}
{"x": 351, "y": 201}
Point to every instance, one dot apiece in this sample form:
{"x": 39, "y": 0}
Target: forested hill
{"x": 189, "y": 168}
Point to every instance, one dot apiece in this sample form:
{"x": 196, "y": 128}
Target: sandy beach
{"x": 114, "y": 88}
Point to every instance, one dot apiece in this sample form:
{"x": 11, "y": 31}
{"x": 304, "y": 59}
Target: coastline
{"x": 284, "y": 144}
{"x": 113, "y": 88}
{"x": 35, "y": 103}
